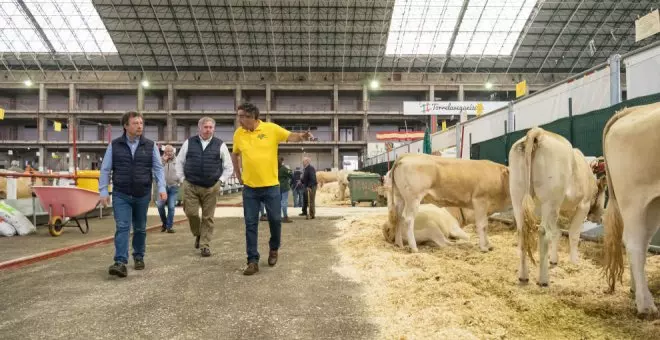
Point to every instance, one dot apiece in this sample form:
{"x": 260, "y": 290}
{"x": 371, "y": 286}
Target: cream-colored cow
{"x": 545, "y": 167}
{"x": 323, "y": 177}
{"x": 480, "y": 185}
{"x": 630, "y": 147}
{"x": 432, "y": 224}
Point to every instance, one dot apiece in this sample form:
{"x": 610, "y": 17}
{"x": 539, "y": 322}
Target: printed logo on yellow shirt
{"x": 261, "y": 136}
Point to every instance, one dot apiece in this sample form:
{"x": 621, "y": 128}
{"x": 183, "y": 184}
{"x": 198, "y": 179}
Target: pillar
{"x": 73, "y": 99}
{"x": 237, "y": 102}
{"x": 170, "y": 127}
{"x": 335, "y": 157}
{"x": 461, "y": 93}
{"x": 433, "y": 121}
{"x": 365, "y": 98}
{"x": 615, "y": 79}
{"x": 42, "y": 157}
{"x": 335, "y": 128}
{"x": 41, "y": 123}
{"x": 140, "y": 98}
{"x": 71, "y": 128}
{"x": 335, "y": 97}
{"x": 43, "y": 98}
{"x": 365, "y": 128}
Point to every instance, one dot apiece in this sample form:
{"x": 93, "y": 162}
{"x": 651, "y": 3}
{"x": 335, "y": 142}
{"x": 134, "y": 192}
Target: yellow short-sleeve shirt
{"x": 258, "y": 150}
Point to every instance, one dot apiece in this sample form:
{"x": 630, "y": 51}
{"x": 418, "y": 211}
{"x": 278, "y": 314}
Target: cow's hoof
{"x": 542, "y": 284}
{"x": 553, "y": 264}
{"x": 486, "y": 249}
{"x": 414, "y": 250}
{"x": 523, "y": 281}
{"x": 648, "y": 315}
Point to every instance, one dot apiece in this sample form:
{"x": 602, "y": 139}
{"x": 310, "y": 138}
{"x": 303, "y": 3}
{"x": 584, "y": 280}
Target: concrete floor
{"x": 183, "y": 296}
{"x": 19, "y": 246}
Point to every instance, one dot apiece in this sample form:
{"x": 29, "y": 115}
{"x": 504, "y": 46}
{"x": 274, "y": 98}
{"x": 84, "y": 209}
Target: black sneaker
{"x": 162, "y": 228}
{"x": 118, "y": 269}
{"x": 171, "y": 231}
{"x": 196, "y": 242}
{"x": 139, "y": 264}
{"x": 206, "y": 252}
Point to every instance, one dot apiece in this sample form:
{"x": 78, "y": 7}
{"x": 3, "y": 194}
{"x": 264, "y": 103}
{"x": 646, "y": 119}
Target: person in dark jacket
{"x": 309, "y": 182}
{"x": 133, "y": 161}
{"x": 298, "y": 188}
{"x": 284, "y": 176}
{"x": 205, "y": 164}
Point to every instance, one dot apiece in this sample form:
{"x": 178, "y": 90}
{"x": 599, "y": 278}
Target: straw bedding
{"x": 457, "y": 292}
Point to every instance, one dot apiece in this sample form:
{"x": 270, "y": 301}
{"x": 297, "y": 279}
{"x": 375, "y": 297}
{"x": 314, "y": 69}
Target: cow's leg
{"x": 523, "y": 270}
{"x": 547, "y": 232}
{"x": 398, "y": 230}
{"x": 636, "y": 237}
{"x": 574, "y": 230}
{"x": 481, "y": 219}
{"x": 409, "y": 212}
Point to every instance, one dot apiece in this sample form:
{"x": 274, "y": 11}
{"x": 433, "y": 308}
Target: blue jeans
{"x": 284, "y": 203}
{"x": 171, "y": 204}
{"x": 298, "y": 195}
{"x": 128, "y": 209}
{"x": 252, "y": 199}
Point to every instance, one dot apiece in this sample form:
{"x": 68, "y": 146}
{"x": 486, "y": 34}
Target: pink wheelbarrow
{"x": 65, "y": 204}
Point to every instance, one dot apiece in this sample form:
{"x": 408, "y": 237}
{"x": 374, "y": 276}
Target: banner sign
{"x": 399, "y": 135}
{"x": 450, "y": 108}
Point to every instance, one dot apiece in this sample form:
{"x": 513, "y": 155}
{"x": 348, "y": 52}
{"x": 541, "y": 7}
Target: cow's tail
{"x": 529, "y": 220}
{"x": 613, "y": 223}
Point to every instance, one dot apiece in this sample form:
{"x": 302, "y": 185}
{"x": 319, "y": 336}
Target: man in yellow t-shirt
{"x": 255, "y": 165}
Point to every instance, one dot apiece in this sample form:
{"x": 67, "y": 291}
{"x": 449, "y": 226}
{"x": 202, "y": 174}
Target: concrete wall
{"x": 301, "y": 101}
{"x": 320, "y": 159}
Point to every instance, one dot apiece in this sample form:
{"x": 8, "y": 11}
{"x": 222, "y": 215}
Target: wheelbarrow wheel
{"x": 55, "y": 226}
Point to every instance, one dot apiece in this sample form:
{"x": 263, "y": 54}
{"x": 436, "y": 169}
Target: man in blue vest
{"x": 205, "y": 164}
{"x": 133, "y": 160}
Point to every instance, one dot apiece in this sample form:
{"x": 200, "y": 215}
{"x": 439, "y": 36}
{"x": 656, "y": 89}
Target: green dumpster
{"x": 364, "y": 188}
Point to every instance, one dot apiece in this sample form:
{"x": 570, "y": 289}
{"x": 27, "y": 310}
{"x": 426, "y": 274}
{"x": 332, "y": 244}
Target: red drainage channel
{"x": 24, "y": 261}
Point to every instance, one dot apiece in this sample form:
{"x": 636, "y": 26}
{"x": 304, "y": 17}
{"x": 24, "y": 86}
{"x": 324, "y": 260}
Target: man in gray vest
{"x": 205, "y": 164}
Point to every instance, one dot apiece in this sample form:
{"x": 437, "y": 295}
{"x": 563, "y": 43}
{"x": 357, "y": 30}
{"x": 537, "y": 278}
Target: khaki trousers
{"x": 194, "y": 197}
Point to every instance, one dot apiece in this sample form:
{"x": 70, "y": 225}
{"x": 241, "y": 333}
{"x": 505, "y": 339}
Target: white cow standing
{"x": 545, "y": 166}
{"x": 630, "y": 147}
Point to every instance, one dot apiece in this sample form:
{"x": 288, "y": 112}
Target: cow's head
{"x": 598, "y": 201}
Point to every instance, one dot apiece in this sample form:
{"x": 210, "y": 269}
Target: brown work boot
{"x": 287, "y": 220}
{"x": 252, "y": 268}
{"x": 263, "y": 218}
{"x": 272, "y": 257}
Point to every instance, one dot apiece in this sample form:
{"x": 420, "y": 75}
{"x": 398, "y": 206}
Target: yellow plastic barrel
{"x": 89, "y": 183}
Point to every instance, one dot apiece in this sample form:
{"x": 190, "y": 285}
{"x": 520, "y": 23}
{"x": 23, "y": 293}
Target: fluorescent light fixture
{"x": 145, "y": 83}
{"x": 420, "y": 27}
{"x": 488, "y": 85}
{"x": 28, "y": 82}
{"x": 374, "y": 84}
{"x": 70, "y": 26}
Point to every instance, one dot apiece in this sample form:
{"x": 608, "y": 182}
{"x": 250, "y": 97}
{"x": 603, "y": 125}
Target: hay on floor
{"x": 457, "y": 292}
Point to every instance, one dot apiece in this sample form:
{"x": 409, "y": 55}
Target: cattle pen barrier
{"x": 576, "y": 108}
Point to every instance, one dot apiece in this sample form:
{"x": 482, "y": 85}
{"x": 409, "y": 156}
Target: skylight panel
{"x": 422, "y": 27}
{"x": 70, "y": 26}
{"x": 488, "y": 27}
{"x": 492, "y": 27}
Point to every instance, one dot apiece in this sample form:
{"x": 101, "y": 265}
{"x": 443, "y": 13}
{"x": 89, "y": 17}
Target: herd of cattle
{"x": 549, "y": 178}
